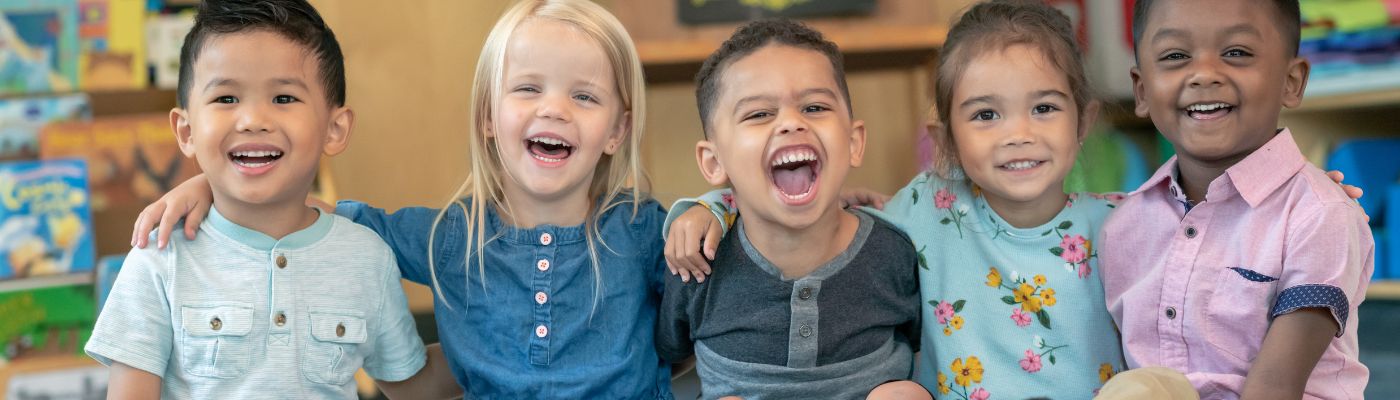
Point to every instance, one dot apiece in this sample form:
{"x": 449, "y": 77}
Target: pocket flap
{"x": 217, "y": 319}
{"x": 338, "y": 327}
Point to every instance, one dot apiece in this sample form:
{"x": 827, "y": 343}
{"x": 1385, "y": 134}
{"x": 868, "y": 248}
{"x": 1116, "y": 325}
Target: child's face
{"x": 1213, "y": 74}
{"x": 560, "y": 111}
{"x": 257, "y": 119}
{"x": 1015, "y": 124}
{"x": 782, "y": 135}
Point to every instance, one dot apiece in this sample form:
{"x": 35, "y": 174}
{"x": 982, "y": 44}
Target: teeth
{"x": 261, "y": 153}
{"x": 794, "y": 156}
{"x": 549, "y": 141}
{"x": 1020, "y": 165}
{"x": 1206, "y": 107}
{"x": 546, "y": 159}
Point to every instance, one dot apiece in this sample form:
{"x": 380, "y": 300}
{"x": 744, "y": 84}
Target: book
{"x": 132, "y": 160}
{"x": 45, "y": 220}
{"x": 22, "y": 118}
{"x": 112, "y": 38}
{"x": 46, "y": 321}
{"x": 38, "y": 46}
{"x": 165, "y": 33}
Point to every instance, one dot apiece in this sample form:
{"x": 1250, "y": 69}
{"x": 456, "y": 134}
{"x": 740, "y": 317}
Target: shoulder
{"x": 1312, "y": 186}
{"x": 641, "y": 216}
{"x": 885, "y": 239}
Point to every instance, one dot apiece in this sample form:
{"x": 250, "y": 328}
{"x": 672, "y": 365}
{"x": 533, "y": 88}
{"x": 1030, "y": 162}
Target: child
{"x": 1011, "y": 299}
{"x": 806, "y": 300}
{"x": 1237, "y": 263}
{"x": 246, "y": 311}
{"x": 548, "y": 268}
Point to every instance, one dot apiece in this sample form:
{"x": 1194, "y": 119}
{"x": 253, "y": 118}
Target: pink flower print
{"x": 1023, "y": 319}
{"x": 1084, "y": 270}
{"x": 944, "y": 199}
{"x": 944, "y": 312}
{"x": 1032, "y": 361}
{"x": 1074, "y": 251}
{"x": 728, "y": 199}
{"x": 979, "y": 394}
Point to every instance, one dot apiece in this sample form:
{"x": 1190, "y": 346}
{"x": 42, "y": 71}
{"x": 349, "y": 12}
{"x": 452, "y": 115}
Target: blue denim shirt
{"x": 530, "y": 329}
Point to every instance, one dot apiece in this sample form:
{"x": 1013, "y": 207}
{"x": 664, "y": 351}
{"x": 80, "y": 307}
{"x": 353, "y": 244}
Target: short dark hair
{"x": 1291, "y": 20}
{"x": 751, "y": 37}
{"x": 296, "y": 20}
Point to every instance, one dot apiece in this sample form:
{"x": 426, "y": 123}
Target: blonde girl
{"x": 546, "y": 266}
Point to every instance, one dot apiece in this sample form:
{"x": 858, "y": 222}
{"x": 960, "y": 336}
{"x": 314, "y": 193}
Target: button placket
{"x": 543, "y": 250}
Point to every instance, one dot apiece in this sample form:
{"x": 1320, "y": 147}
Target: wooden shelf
{"x": 1383, "y": 290}
{"x": 40, "y": 282}
{"x": 880, "y": 39}
{"x": 1371, "y": 88}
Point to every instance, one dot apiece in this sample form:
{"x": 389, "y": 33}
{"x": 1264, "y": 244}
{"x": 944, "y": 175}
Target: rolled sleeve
{"x": 398, "y": 350}
{"x": 1328, "y": 259}
{"x": 712, "y": 200}
{"x": 135, "y": 326}
{"x": 673, "y": 326}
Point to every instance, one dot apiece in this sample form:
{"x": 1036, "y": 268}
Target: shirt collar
{"x": 1254, "y": 178}
{"x": 262, "y": 241}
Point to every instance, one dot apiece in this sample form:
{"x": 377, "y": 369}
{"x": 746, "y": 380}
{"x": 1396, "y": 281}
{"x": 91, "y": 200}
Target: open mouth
{"x": 549, "y": 149}
{"x": 1208, "y": 111}
{"x": 1020, "y": 165}
{"x": 794, "y": 171}
{"x": 254, "y": 158}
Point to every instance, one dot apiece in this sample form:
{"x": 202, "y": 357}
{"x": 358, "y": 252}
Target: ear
{"x": 1139, "y": 93}
{"x": 1296, "y": 82}
{"x": 1088, "y": 116}
{"x": 708, "y": 158}
{"x": 620, "y": 134}
{"x": 857, "y": 143}
{"x": 180, "y": 124}
{"x": 338, "y": 131}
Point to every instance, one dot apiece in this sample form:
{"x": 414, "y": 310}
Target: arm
{"x": 1291, "y": 349}
{"x": 127, "y": 383}
{"x": 191, "y": 201}
{"x": 673, "y": 325}
{"x": 434, "y": 381}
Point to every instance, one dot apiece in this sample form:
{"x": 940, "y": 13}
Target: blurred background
{"x": 86, "y": 87}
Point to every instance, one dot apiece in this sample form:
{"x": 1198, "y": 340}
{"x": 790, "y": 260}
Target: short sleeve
{"x": 673, "y": 326}
{"x": 720, "y": 202}
{"x": 135, "y": 326}
{"x": 407, "y": 232}
{"x": 398, "y": 351}
{"x": 1327, "y": 263}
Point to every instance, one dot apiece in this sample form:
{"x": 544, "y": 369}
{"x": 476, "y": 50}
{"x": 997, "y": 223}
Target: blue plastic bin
{"x": 1384, "y": 245}
{"x": 1372, "y": 165}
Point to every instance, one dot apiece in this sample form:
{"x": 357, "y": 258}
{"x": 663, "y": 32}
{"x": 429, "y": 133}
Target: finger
{"x": 712, "y": 238}
{"x": 145, "y": 222}
{"x": 193, "y": 219}
{"x": 167, "y": 224}
{"x": 1353, "y": 191}
{"x": 1337, "y": 176}
{"x": 685, "y": 275}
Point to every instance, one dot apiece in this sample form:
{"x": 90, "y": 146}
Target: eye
{"x": 985, "y": 115}
{"x": 1044, "y": 108}
{"x": 815, "y": 108}
{"x": 527, "y": 89}
{"x": 757, "y": 115}
{"x": 284, "y": 99}
{"x": 1174, "y": 56}
{"x": 1237, "y": 53}
{"x": 585, "y": 97}
{"x": 226, "y": 100}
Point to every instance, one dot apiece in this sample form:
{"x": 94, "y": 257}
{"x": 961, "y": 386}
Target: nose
{"x": 1205, "y": 74}
{"x": 252, "y": 118}
{"x": 1018, "y": 131}
{"x": 791, "y": 124}
{"x": 553, "y": 107}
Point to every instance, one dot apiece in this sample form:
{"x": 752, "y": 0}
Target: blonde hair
{"x": 615, "y": 174}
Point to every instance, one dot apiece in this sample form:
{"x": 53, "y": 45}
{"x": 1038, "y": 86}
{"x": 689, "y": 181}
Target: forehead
{"x": 1009, "y": 72}
{"x": 1212, "y": 18}
{"x": 562, "y": 48}
{"x": 776, "y": 70}
{"x": 255, "y": 56}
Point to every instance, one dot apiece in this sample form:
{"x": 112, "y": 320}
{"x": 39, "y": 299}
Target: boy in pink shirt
{"x": 1237, "y": 263}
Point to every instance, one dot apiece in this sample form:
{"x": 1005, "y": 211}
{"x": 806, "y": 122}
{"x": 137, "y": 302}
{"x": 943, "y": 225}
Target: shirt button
{"x": 1171, "y": 312}
{"x": 541, "y": 331}
{"x": 281, "y": 319}
{"x": 1190, "y": 232}
{"x": 805, "y": 330}
{"x": 805, "y": 293}
{"x": 216, "y": 324}
{"x": 546, "y": 238}
{"x": 543, "y": 265}
{"x": 281, "y": 261}
{"x": 339, "y": 330}
{"x": 540, "y": 297}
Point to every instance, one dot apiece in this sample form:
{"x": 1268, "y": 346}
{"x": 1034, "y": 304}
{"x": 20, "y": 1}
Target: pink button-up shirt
{"x": 1196, "y": 291}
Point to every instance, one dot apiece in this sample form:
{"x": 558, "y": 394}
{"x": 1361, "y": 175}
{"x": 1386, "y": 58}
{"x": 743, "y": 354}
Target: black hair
{"x": 1290, "y": 19}
{"x": 751, "y": 37}
{"x": 296, "y": 20}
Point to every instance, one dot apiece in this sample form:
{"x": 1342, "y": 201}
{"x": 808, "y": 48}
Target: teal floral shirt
{"x": 1008, "y": 313}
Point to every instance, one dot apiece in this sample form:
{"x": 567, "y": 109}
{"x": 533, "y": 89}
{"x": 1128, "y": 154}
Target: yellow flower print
{"x": 1032, "y": 304}
{"x": 1039, "y": 280}
{"x": 964, "y": 374}
{"x": 994, "y": 278}
{"x": 947, "y": 331}
{"x": 943, "y": 383}
{"x": 957, "y": 322}
{"x": 1024, "y": 293}
{"x": 1047, "y": 295}
{"x": 1105, "y": 373}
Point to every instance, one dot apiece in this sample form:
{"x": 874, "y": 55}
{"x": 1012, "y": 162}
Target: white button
{"x": 541, "y": 331}
{"x": 546, "y": 238}
{"x": 540, "y": 297}
{"x": 543, "y": 265}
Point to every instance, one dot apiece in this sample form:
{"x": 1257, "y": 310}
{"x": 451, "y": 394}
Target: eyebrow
{"x": 749, "y": 99}
{"x": 1170, "y": 33}
{"x": 292, "y": 82}
{"x": 219, "y": 82}
{"x": 812, "y": 91}
{"x": 989, "y": 99}
{"x": 279, "y": 81}
{"x": 1050, "y": 93}
{"x": 1243, "y": 29}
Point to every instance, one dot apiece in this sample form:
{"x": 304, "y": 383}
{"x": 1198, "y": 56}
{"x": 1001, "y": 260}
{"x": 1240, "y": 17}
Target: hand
{"x": 1352, "y": 191}
{"x": 694, "y": 231}
{"x": 863, "y": 197}
{"x": 191, "y": 201}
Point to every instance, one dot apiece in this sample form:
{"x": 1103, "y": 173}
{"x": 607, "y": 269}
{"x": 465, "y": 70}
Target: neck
{"x": 1195, "y": 176}
{"x": 1030, "y": 213}
{"x": 799, "y": 251}
{"x": 525, "y": 211}
{"x": 276, "y": 220}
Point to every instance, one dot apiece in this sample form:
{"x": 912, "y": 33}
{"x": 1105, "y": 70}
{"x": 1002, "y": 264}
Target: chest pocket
{"x": 215, "y": 341}
{"x": 332, "y": 352}
{"x": 1238, "y": 313}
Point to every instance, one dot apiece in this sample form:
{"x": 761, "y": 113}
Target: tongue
{"x": 794, "y": 181}
{"x": 549, "y": 150}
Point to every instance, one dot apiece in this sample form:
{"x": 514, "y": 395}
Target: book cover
{"x": 46, "y": 321}
{"x": 22, "y": 118}
{"x": 112, "y": 38}
{"x": 38, "y": 46}
{"x": 165, "y": 33}
{"x": 45, "y": 221}
{"x": 132, "y": 160}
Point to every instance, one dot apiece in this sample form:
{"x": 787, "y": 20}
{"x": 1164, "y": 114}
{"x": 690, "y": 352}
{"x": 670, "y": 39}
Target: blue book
{"x": 45, "y": 219}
